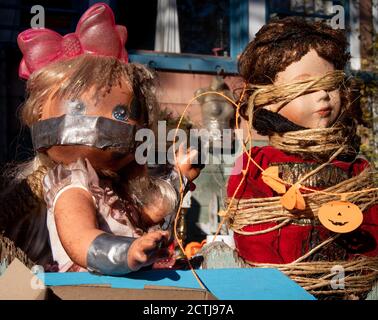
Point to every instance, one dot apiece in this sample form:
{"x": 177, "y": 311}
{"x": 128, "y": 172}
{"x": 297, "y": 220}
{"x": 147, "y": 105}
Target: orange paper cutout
{"x": 293, "y": 198}
{"x": 300, "y": 203}
{"x": 340, "y": 216}
{"x": 271, "y": 178}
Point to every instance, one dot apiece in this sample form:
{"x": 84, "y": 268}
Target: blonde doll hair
{"x": 76, "y": 76}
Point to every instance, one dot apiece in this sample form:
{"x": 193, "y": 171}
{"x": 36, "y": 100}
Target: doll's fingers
{"x": 158, "y": 235}
{"x": 181, "y": 149}
{"x": 193, "y": 156}
{"x": 158, "y": 241}
{"x": 187, "y": 159}
{"x": 187, "y": 156}
{"x": 154, "y": 255}
{"x": 152, "y": 239}
{"x": 180, "y": 152}
{"x": 162, "y": 253}
{"x": 158, "y": 255}
{"x": 150, "y": 245}
{"x": 141, "y": 257}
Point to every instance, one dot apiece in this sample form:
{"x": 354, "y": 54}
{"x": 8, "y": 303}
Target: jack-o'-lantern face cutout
{"x": 340, "y": 216}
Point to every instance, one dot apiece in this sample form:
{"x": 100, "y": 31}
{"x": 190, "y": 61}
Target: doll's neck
{"x": 317, "y": 144}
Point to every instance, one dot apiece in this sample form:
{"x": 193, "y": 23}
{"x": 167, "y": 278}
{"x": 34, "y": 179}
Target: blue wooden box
{"x": 224, "y": 284}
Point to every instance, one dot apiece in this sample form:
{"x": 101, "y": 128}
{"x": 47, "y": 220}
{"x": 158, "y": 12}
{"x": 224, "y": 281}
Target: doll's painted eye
{"x": 75, "y": 107}
{"x": 121, "y": 113}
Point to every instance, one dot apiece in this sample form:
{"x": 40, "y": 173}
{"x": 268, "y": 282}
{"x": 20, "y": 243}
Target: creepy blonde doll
{"x": 105, "y": 213}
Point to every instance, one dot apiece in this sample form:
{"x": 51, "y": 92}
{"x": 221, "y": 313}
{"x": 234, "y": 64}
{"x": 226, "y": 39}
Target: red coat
{"x": 291, "y": 241}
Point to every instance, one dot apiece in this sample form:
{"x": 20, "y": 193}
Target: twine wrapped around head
{"x": 319, "y": 143}
{"x": 282, "y": 94}
{"x": 276, "y": 46}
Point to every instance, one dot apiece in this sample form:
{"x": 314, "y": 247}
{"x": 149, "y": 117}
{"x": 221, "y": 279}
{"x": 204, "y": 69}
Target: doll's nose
{"x": 322, "y": 95}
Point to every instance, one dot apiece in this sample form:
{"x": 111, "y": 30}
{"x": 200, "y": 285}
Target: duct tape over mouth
{"x": 92, "y": 131}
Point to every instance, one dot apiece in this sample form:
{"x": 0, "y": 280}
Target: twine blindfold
{"x": 282, "y": 94}
{"x": 320, "y": 142}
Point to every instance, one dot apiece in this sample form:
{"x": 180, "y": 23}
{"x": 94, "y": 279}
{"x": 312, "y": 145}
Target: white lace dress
{"x": 114, "y": 214}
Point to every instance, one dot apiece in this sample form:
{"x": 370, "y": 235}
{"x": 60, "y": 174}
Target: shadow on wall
{"x": 192, "y": 217}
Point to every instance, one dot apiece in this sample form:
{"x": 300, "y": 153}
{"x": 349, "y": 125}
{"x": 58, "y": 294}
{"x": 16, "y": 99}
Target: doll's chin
{"x": 99, "y": 159}
{"x": 321, "y": 123}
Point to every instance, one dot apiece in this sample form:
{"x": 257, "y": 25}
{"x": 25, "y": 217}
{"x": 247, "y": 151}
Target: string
{"x": 250, "y": 160}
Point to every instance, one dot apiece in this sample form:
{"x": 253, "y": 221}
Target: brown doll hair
{"x": 282, "y": 42}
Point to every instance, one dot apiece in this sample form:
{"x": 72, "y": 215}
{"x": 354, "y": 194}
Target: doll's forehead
{"x": 121, "y": 91}
{"x": 92, "y": 100}
{"x": 310, "y": 65}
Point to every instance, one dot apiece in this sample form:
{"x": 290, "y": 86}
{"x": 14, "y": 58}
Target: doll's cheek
{"x": 335, "y": 100}
{"x": 52, "y": 108}
{"x": 297, "y": 111}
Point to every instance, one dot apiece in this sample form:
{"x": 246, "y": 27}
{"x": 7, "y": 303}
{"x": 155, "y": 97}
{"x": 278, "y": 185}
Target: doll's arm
{"x": 75, "y": 219}
{"x": 89, "y": 247}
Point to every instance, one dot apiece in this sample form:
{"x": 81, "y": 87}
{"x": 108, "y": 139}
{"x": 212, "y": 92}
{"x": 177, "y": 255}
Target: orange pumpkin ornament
{"x": 340, "y": 216}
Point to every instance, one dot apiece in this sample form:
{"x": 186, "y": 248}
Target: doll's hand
{"x": 186, "y": 163}
{"x": 146, "y": 250}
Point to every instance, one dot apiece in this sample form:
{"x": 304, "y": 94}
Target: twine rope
{"x": 283, "y": 94}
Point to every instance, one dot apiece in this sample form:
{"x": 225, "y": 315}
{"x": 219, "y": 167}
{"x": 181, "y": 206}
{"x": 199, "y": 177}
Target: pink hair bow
{"x": 96, "y": 33}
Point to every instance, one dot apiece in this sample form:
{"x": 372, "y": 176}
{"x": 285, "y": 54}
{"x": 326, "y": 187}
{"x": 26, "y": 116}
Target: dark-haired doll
{"x": 284, "y": 52}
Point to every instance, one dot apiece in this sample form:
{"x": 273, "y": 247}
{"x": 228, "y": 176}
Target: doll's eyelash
{"x": 120, "y": 112}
